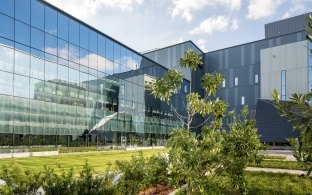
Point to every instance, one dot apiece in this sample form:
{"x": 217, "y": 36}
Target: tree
{"x": 240, "y": 147}
{"x": 164, "y": 88}
{"x": 299, "y": 112}
{"x": 198, "y": 160}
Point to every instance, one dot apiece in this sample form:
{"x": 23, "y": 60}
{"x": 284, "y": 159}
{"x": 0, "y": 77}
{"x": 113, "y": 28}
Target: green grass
{"x": 273, "y": 157}
{"x": 98, "y": 160}
{"x": 294, "y": 165}
{"x": 278, "y": 183}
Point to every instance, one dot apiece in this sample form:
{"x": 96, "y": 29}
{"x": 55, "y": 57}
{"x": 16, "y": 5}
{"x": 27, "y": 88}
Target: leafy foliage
{"x": 88, "y": 183}
{"x": 28, "y": 182}
{"x": 62, "y": 184}
{"x": 140, "y": 173}
{"x": 201, "y": 160}
{"x": 19, "y": 181}
{"x": 299, "y": 111}
{"x": 191, "y": 60}
{"x": 163, "y": 88}
{"x": 241, "y": 146}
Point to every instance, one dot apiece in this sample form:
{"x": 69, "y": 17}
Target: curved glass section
{"x": 63, "y": 83}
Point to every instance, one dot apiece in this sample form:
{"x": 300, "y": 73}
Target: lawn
{"x": 98, "y": 160}
{"x": 278, "y": 183}
{"x": 294, "y": 165}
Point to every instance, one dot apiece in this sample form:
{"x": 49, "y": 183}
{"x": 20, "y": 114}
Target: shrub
{"x": 87, "y": 183}
{"x": 140, "y": 173}
{"x": 19, "y": 181}
{"x": 63, "y": 184}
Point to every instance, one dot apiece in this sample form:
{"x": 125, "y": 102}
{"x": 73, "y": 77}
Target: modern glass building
{"x": 63, "y": 82}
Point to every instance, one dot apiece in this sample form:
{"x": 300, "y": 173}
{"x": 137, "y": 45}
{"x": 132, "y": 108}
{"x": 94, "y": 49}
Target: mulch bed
{"x": 157, "y": 190}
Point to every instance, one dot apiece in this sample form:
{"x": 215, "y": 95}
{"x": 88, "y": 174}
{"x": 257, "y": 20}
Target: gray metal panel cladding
{"x": 286, "y": 26}
{"x": 251, "y": 75}
{"x": 270, "y": 125}
{"x": 220, "y": 59}
{"x": 234, "y": 56}
{"x": 242, "y": 55}
{"x": 226, "y": 57}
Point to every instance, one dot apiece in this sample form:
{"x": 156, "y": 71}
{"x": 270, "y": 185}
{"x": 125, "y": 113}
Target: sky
{"x": 211, "y": 24}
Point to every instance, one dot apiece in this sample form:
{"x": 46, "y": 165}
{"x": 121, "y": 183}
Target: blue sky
{"x": 211, "y": 24}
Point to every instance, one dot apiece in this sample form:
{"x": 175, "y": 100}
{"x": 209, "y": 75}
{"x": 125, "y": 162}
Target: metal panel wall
{"x": 286, "y": 26}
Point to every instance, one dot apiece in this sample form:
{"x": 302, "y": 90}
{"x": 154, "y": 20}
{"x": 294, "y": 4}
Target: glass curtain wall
{"x": 64, "y": 83}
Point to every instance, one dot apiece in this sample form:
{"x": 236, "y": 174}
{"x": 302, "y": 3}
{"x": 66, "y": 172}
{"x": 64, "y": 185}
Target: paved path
{"x": 274, "y": 170}
{"x": 288, "y": 154}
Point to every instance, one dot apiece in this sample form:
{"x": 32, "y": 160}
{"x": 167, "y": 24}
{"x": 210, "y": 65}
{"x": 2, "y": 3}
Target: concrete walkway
{"x": 275, "y": 170}
{"x": 288, "y": 154}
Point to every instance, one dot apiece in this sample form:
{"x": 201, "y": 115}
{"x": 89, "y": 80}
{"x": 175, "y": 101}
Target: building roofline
{"x": 252, "y": 42}
{"x": 157, "y": 49}
{"x": 88, "y": 25}
{"x": 306, "y": 13}
{"x": 98, "y": 31}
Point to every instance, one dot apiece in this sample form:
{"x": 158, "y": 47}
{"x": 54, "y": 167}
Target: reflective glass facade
{"x": 60, "y": 78}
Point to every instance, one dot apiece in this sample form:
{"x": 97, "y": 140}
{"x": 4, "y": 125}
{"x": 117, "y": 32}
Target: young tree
{"x": 164, "y": 88}
{"x": 199, "y": 159}
{"x": 299, "y": 112}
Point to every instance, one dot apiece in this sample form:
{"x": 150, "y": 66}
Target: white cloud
{"x": 202, "y": 44}
{"x": 185, "y": 8}
{"x": 262, "y": 8}
{"x": 297, "y": 7}
{"x": 235, "y": 24}
{"x": 214, "y": 24}
{"x": 84, "y": 8}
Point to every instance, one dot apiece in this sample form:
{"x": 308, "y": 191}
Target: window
{"x": 84, "y": 57}
{"x": 50, "y": 21}
{"x": 73, "y": 54}
{"x": 93, "y": 41}
{"x": 223, "y": 83}
{"x": 62, "y": 73}
{"x": 37, "y": 68}
{"x": 37, "y": 39}
{"x": 7, "y": 7}
{"x": 130, "y": 60}
{"x": 22, "y": 33}
{"x": 185, "y": 88}
{"x": 50, "y": 71}
{"x": 62, "y": 29}
{"x": 50, "y": 44}
{"x": 6, "y": 83}
{"x": 123, "y": 56}
{"x": 62, "y": 50}
{"x": 22, "y": 10}
{"x": 109, "y": 50}
{"x": 122, "y": 89}
{"x": 256, "y": 78}
{"x": 84, "y": 37}
{"x": 21, "y": 86}
{"x": 101, "y": 46}
{"x": 117, "y": 53}
{"x": 243, "y": 100}
{"x": 6, "y": 58}
{"x": 37, "y": 14}
{"x": 22, "y": 63}
{"x": 7, "y": 27}
{"x": 283, "y": 85}
{"x": 236, "y": 81}
{"x": 73, "y": 32}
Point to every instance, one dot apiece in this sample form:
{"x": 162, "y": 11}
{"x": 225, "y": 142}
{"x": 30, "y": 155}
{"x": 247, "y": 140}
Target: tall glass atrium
{"x": 63, "y": 82}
